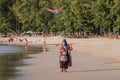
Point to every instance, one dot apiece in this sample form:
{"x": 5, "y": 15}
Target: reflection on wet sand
{"x": 26, "y": 51}
{"x": 44, "y": 48}
{"x": 44, "y": 44}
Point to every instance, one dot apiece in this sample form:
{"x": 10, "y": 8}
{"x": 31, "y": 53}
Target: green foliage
{"x": 78, "y": 15}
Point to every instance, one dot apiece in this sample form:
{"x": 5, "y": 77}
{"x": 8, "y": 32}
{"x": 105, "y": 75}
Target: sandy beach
{"x": 93, "y": 59}
{"x": 45, "y": 66}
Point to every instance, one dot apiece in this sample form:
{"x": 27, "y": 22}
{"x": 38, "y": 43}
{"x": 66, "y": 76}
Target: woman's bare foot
{"x": 65, "y": 70}
{"x": 62, "y": 70}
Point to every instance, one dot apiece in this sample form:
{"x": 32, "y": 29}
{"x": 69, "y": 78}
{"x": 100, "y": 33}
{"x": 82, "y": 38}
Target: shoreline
{"x": 99, "y": 47}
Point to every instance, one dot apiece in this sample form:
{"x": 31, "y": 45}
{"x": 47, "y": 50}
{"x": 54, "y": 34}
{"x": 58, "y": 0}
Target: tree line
{"x": 81, "y": 17}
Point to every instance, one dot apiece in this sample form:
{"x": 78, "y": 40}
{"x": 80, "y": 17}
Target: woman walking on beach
{"x": 65, "y": 58}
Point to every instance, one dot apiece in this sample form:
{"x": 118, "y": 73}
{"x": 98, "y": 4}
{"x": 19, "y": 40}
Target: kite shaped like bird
{"x": 56, "y": 11}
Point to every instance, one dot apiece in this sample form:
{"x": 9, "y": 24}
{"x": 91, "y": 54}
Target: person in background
{"x": 65, "y": 58}
{"x": 26, "y": 42}
{"x": 26, "y": 47}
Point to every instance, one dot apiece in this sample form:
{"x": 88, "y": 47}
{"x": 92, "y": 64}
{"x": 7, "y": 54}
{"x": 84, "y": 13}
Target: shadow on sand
{"x": 96, "y": 70}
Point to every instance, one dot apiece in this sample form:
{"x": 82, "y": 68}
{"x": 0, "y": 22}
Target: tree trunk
{"x": 95, "y": 31}
{"x": 119, "y": 31}
{"x": 98, "y": 31}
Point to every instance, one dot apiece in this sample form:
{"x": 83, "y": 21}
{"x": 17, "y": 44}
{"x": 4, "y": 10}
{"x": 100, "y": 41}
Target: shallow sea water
{"x": 11, "y": 57}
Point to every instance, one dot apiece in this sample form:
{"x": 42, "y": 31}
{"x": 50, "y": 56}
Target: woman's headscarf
{"x": 65, "y": 43}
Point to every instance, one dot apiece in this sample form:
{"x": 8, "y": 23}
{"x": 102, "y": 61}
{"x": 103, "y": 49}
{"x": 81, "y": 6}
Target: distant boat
{"x": 26, "y": 33}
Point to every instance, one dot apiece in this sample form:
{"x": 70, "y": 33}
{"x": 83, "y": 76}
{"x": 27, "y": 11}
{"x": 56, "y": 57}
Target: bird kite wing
{"x": 52, "y": 11}
{"x": 56, "y": 11}
{"x": 60, "y": 9}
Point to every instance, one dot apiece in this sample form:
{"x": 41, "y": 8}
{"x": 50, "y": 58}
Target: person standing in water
{"x": 26, "y": 47}
{"x": 65, "y": 58}
{"x": 44, "y": 42}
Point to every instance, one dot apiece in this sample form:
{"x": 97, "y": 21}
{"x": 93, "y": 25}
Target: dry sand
{"x": 45, "y": 66}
